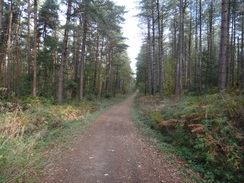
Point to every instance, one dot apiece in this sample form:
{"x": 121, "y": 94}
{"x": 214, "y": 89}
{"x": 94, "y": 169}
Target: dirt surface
{"x": 110, "y": 151}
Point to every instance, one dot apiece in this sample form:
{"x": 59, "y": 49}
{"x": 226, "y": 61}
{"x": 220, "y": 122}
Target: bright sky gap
{"x": 131, "y": 30}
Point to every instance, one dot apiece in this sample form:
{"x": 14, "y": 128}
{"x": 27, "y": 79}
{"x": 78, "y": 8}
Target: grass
{"x": 38, "y": 132}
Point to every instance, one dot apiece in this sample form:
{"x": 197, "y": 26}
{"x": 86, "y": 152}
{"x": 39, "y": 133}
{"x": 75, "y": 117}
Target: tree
{"x": 34, "y": 92}
{"x": 64, "y": 53}
{"x": 160, "y": 50}
{"x": 223, "y": 53}
{"x": 179, "y": 74}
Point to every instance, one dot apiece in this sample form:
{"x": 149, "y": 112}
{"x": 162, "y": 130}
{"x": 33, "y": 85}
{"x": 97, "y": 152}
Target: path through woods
{"x": 110, "y": 151}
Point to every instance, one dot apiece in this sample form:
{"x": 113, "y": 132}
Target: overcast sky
{"x": 131, "y": 30}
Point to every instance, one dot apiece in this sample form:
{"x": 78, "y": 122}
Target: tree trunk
{"x": 242, "y": 54}
{"x": 196, "y": 45}
{"x": 83, "y": 57}
{"x": 210, "y": 41}
{"x": 1, "y": 40}
{"x": 77, "y": 60}
{"x": 64, "y": 54}
{"x": 223, "y": 53}
{"x": 160, "y": 53}
{"x": 96, "y": 64}
{"x": 179, "y": 81}
{"x": 1, "y": 18}
{"x": 9, "y": 64}
{"x": 200, "y": 45}
{"x": 154, "y": 68}
{"x": 18, "y": 74}
{"x": 149, "y": 67}
{"x": 190, "y": 68}
{"x": 35, "y": 49}
{"x": 28, "y": 39}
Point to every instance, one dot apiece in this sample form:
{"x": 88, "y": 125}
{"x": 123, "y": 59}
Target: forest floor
{"x": 112, "y": 151}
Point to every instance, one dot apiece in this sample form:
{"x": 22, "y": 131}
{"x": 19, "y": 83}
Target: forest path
{"x": 110, "y": 151}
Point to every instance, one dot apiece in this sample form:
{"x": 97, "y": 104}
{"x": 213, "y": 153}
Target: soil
{"x": 111, "y": 151}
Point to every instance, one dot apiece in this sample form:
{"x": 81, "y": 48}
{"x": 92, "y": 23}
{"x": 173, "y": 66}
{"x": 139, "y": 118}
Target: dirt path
{"x": 111, "y": 152}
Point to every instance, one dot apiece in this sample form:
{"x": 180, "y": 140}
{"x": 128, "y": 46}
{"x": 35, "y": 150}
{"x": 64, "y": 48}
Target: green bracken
{"x": 206, "y": 132}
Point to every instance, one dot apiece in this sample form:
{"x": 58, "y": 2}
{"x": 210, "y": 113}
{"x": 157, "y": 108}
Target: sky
{"x": 130, "y": 30}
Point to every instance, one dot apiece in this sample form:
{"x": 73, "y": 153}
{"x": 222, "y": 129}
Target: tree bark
{"x": 77, "y": 59}
{"x": 1, "y": 18}
{"x": 242, "y": 54}
{"x": 160, "y": 53}
{"x": 200, "y": 45}
{"x": 28, "y": 39}
{"x": 223, "y": 45}
{"x": 149, "y": 60}
{"x": 190, "y": 68}
{"x": 9, "y": 61}
{"x": 210, "y": 41}
{"x": 196, "y": 44}
{"x": 85, "y": 28}
{"x": 18, "y": 70}
{"x": 96, "y": 63}
{"x": 1, "y": 40}
{"x": 64, "y": 54}
{"x": 35, "y": 50}
{"x": 154, "y": 69}
{"x": 179, "y": 80}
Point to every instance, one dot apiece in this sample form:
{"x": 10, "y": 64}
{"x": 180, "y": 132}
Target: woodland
{"x": 63, "y": 60}
{"x": 190, "y": 72}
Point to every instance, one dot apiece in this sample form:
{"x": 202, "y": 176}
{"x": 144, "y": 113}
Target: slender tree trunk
{"x": 149, "y": 68}
{"x": 35, "y": 50}
{"x": 196, "y": 44}
{"x": 83, "y": 57}
{"x": 96, "y": 63}
{"x": 154, "y": 80}
{"x": 210, "y": 41}
{"x": 242, "y": 53}
{"x": 223, "y": 45}
{"x": 200, "y": 45}
{"x": 64, "y": 54}
{"x": 28, "y": 39}
{"x": 9, "y": 64}
{"x": 1, "y": 18}
{"x": 108, "y": 71}
{"x": 190, "y": 67}
{"x": 160, "y": 53}
{"x": 77, "y": 60}
{"x": 99, "y": 72}
{"x": 179, "y": 80}
{"x": 1, "y": 40}
{"x": 17, "y": 60}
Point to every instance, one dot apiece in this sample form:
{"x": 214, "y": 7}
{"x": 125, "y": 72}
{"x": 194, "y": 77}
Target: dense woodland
{"x": 63, "y": 50}
{"x": 193, "y": 54}
{"x": 192, "y": 46}
{"x": 66, "y": 51}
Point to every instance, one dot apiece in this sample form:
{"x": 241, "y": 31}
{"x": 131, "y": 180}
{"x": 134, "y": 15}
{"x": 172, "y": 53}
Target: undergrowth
{"x": 31, "y": 127}
{"x": 206, "y": 132}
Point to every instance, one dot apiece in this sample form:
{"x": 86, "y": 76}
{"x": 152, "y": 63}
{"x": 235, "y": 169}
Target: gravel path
{"x": 110, "y": 151}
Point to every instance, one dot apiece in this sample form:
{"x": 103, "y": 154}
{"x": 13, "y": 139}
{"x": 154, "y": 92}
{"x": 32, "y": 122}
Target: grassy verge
{"x": 206, "y": 132}
{"x": 34, "y": 132}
